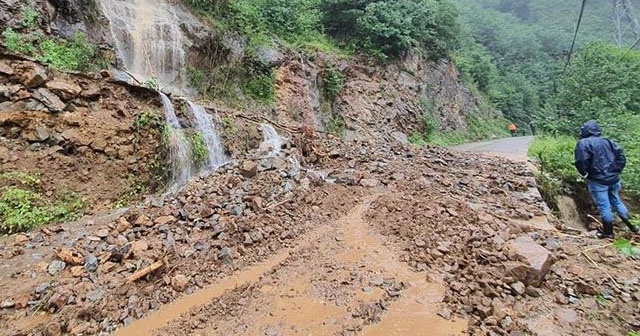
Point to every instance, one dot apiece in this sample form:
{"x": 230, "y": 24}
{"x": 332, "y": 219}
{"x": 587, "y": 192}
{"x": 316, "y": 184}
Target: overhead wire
{"x": 575, "y": 34}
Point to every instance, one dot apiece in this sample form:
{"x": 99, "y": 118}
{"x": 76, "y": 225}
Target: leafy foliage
{"x": 625, "y": 247}
{"x": 332, "y": 82}
{"x": 262, "y": 87}
{"x": 22, "y": 207}
{"x": 392, "y": 28}
{"x": 199, "y": 149}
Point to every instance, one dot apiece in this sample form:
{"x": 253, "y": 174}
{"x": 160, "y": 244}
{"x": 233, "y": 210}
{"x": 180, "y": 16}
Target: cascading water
{"x": 179, "y": 148}
{"x": 150, "y": 44}
{"x": 272, "y": 142}
{"x": 149, "y": 40}
{"x": 206, "y": 127}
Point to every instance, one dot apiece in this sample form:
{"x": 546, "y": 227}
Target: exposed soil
{"x": 76, "y": 132}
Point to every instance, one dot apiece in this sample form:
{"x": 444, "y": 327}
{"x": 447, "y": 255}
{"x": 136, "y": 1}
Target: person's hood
{"x": 590, "y": 128}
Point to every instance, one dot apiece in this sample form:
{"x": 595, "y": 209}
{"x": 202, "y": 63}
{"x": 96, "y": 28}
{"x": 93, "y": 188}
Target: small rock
{"x": 20, "y": 239}
{"x": 537, "y": 261}
{"x": 179, "y": 282}
{"x": 77, "y": 271}
{"x": 91, "y": 264}
{"x": 225, "y": 254}
{"x": 568, "y": 316}
{"x": 50, "y": 100}
{"x": 561, "y": 299}
{"x": 102, "y": 233}
{"x": 249, "y": 169}
{"x": 56, "y": 266}
{"x": 143, "y": 221}
{"x": 95, "y": 295}
{"x": 586, "y": 288}
{"x": 5, "y": 69}
{"x": 445, "y": 313}
{"x": 369, "y": 183}
{"x": 420, "y": 243}
{"x": 123, "y": 225}
{"x": 33, "y": 75}
{"x": 7, "y": 304}
{"x": 165, "y": 220}
{"x": 65, "y": 90}
{"x": 533, "y": 291}
{"x": 139, "y": 246}
{"x": 552, "y": 244}
{"x": 518, "y": 288}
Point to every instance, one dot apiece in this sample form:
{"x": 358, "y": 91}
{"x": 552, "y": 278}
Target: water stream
{"x": 206, "y": 127}
{"x": 272, "y": 141}
{"x": 179, "y": 147}
{"x": 151, "y": 50}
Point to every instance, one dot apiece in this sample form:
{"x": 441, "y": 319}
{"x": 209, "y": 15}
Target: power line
{"x": 575, "y": 35}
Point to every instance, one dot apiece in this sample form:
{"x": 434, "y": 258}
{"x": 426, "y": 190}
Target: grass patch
{"x": 625, "y": 247}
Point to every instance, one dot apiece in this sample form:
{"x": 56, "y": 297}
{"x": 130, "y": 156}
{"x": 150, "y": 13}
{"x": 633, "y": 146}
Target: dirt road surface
{"x": 512, "y": 148}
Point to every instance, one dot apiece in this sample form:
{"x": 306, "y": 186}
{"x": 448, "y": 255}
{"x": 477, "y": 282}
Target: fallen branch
{"x": 595, "y": 219}
{"x": 144, "y": 272}
{"x": 601, "y": 269}
{"x": 596, "y": 248}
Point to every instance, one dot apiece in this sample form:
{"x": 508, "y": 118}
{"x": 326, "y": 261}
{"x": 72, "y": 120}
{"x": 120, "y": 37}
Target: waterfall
{"x": 149, "y": 41}
{"x": 150, "y": 47}
{"x": 206, "y": 127}
{"x": 179, "y": 148}
{"x": 272, "y": 142}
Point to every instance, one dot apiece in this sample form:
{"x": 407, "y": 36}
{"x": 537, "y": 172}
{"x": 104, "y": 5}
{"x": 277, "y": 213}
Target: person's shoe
{"x": 602, "y": 235}
{"x": 606, "y": 231}
{"x": 632, "y": 228}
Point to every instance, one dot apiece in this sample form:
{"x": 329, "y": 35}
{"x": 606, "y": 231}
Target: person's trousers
{"x": 607, "y": 198}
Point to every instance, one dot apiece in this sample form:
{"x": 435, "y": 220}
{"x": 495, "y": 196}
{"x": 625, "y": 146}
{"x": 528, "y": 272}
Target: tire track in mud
{"x": 342, "y": 279}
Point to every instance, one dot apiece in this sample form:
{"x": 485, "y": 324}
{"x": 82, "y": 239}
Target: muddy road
{"x": 367, "y": 239}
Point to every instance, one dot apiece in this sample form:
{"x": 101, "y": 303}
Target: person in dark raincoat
{"x": 601, "y": 161}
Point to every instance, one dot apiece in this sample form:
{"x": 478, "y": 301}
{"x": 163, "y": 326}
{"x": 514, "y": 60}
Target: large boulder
{"x": 532, "y": 261}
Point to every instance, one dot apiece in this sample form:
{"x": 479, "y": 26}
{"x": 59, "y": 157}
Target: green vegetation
{"x": 625, "y": 247}
{"x": 23, "y": 207}
{"x": 199, "y": 149}
{"x": 261, "y": 87}
{"x": 74, "y": 54}
{"x": 332, "y": 82}
{"x": 477, "y": 129}
{"x": 336, "y": 125}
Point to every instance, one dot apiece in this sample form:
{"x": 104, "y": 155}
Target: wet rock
{"x": 56, "y": 266}
{"x": 69, "y": 256}
{"x": 20, "y": 239}
{"x": 50, "y": 100}
{"x": 249, "y": 169}
{"x": 63, "y": 89}
{"x": 179, "y": 282}
{"x": 534, "y": 261}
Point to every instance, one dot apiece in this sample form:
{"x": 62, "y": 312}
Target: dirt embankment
{"x": 80, "y": 133}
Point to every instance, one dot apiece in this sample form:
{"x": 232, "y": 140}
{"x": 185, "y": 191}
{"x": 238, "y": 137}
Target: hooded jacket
{"x": 599, "y": 159}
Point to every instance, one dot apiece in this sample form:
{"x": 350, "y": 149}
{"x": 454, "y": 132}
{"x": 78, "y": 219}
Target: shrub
{"x": 336, "y": 125}
{"x": 22, "y": 209}
{"x": 199, "y": 149}
{"x": 262, "y": 87}
{"x": 332, "y": 82}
